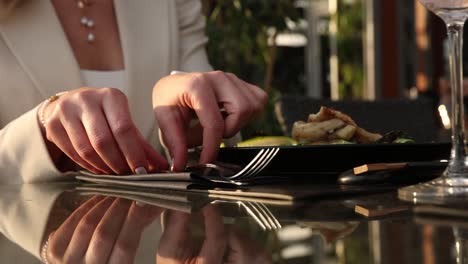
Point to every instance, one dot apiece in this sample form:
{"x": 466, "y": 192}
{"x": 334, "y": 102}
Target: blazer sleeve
{"x": 24, "y": 211}
{"x": 23, "y": 154}
{"x": 192, "y": 38}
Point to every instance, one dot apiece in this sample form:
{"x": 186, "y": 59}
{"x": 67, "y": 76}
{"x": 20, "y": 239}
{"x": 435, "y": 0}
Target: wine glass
{"x": 452, "y": 186}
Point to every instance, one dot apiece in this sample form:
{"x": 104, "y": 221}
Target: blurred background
{"x": 331, "y": 49}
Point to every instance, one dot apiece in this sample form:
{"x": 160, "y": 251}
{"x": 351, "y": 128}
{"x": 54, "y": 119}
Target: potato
{"x": 345, "y": 133}
{"x": 326, "y": 113}
{"x": 364, "y": 136}
{"x": 310, "y": 132}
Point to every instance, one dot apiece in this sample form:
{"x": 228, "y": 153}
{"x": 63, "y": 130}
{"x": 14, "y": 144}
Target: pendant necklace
{"x": 86, "y": 21}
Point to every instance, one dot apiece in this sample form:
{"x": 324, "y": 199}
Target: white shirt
{"x": 100, "y": 79}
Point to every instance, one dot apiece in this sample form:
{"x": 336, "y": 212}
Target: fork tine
{"x": 267, "y": 162}
{"x": 266, "y": 214}
{"x": 254, "y": 216}
{"x": 257, "y": 165}
{"x": 253, "y": 162}
{"x": 261, "y": 165}
{"x": 260, "y": 215}
{"x": 275, "y": 221}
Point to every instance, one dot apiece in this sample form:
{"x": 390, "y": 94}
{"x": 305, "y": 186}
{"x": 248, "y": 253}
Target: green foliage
{"x": 239, "y": 32}
{"x": 350, "y": 48}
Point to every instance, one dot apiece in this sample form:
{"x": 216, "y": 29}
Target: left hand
{"x": 102, "y": 230}
{"x": 177, "y": 98}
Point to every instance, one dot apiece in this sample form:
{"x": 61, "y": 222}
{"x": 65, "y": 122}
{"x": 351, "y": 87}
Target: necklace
{"x": 85, "y": 20}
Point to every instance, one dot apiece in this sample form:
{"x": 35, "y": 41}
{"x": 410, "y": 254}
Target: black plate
{"x": 334, "y": 159}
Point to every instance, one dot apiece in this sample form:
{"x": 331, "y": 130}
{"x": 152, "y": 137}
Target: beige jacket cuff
{"x": 25, "y": 211}
{"x": 24, "y": 157}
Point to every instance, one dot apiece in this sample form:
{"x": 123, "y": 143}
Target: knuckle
{"x": 63, "y": 106}
{"x": 123, "y": 128}
{"x": 218, "y": 73}
{"x": 101, "y": 143}
{"x": 113, "y": 92}
{"x": 231, "y": 75}
{"x": 87, "y": 225}
{"x": 85, "y": 151}
{"x": 197, "y": 81}
{"x": 101, "y": 236}
{"x": 84, "y": 95}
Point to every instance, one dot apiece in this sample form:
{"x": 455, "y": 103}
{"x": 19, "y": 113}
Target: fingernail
{"x": 176, "y": 72}
{"x": 141, "y": 170}
{"x": 139, "y": 204}
{"x": 172, "y": 164}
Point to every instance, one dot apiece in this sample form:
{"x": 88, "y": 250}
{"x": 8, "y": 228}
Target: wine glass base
{"x": 451, "y": 188}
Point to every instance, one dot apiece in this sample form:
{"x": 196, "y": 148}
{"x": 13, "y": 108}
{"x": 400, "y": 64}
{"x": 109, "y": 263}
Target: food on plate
{"x": 330, "y": 126}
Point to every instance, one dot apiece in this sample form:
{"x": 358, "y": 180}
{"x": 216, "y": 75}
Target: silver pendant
{"x": 91, "y": 37}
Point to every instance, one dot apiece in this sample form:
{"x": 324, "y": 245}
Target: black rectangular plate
{"x": 334, "y": 159}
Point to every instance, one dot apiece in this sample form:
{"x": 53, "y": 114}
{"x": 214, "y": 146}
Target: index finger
{"x": 206, "y": 107}
{"x": 172, "y": 129}
{"x": 124, "y": 131}
{"x": 215, "y": 243}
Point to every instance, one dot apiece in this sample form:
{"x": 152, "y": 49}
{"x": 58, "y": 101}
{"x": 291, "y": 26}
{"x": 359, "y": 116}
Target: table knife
{"x": 402, "y": 172}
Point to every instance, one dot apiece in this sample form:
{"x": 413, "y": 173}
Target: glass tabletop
{"x": 69, "y": 223}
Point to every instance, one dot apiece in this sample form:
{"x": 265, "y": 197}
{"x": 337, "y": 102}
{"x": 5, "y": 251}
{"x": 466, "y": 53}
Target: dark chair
{"x": 416, "y": 118}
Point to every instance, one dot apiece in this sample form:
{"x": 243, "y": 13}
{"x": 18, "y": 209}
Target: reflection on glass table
{"x": 102, "y": 226}
{"x": 454, "y": 218}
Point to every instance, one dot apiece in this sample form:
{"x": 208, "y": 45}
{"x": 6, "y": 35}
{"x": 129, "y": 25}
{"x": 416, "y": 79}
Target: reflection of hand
{"x": 220, "y": 242}
{"x": 176, "y": 246}
{"x": 177, "y": 97}
{"x": 101, "y": 230}
{"x": 243, "y": 250}
{"x": 93, "y": 127}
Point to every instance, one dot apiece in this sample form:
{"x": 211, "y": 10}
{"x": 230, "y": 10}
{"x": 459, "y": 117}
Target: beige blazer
{"x": 36, "y": 61}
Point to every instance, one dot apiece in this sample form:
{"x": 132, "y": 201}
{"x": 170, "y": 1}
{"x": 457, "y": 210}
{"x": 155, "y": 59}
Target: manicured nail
{"x": 139, "y": 204}
{"x": 141, "y": 170}
{"x": 176, "y": 72}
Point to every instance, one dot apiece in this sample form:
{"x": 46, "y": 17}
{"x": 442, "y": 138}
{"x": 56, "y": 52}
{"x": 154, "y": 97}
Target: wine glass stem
{"x": 457, "y": 158}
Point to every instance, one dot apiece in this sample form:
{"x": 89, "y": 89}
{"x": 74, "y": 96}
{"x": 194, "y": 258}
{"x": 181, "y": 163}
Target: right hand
{"x": 94, "y": 128}
{"x": 222, "y": 243}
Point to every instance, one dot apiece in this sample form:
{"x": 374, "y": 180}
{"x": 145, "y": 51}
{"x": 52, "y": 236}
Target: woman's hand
{"x": 221, "y": 242}
{"x": 94, "y": 128}
{"x": 177, "y": 99}
{"x": 102, "y": 230}
{"x": 176, "y": 245}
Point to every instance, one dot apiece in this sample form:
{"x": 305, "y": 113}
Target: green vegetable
{"x": 403, "y": 140}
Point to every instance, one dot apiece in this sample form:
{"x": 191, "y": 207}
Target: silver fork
{"x": 259, "y": 212}
{"x": 256, "y": 165}
{"x": 235, "y": 174}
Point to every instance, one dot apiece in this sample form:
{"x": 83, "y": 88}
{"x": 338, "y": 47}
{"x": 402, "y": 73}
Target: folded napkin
{"x": 187, "y": 182}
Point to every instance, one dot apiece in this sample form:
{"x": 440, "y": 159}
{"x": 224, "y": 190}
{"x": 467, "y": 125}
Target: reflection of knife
{"x": 404, "y": 172}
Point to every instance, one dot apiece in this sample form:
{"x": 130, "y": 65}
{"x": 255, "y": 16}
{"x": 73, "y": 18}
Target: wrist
{"x": 43, "y": 112}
